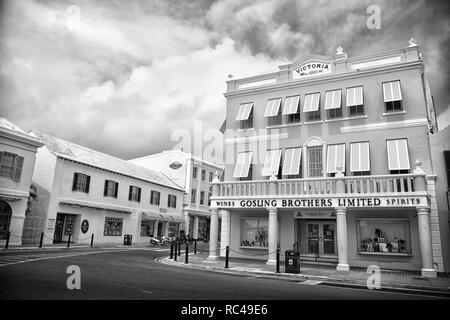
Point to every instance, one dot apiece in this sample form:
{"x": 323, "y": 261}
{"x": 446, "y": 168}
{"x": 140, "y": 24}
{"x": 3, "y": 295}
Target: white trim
{"x": 385, "y": 114}
{"x": 347, "y": 118}
{"x": 314, "y": 122}
{"x": 285, "y": 125}
{"x": 257, "y": 138}
{"x": 386, "y": 125}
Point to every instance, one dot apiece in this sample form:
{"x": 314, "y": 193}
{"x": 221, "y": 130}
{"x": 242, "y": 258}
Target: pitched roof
{"x": 71, "y": 151}
{"x": 9, "y": 129}
{"x": 5, "y": 123}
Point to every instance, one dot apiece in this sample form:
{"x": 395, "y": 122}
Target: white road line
{"x": 146, "y": 291}
{"x": 310, "y": 282}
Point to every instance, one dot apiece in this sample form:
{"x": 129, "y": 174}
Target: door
{"x": 57, "y": 237}
{"x": 315, "y": 163}
{"x": 321, "y": 238}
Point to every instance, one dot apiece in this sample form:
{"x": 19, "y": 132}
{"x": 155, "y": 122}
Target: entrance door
{"x": 65, "y": 225}
{"x": 57, "y": 237}
{"x": 5, "y": 219}
{"x": 321, "y": 238}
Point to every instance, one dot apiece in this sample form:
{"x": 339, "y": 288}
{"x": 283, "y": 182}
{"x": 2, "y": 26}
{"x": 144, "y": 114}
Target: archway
{"x": 5, "y": 219}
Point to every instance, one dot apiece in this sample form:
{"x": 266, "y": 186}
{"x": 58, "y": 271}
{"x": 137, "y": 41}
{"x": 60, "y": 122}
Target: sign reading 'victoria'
{"x": 311, "y": 69}
{"x": 322, "y": 202}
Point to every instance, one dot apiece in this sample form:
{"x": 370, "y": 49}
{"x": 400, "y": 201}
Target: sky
{"x": 121, "y": 76}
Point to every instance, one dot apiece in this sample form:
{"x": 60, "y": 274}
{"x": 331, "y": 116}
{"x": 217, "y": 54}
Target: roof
{"x": 71, "y": 151}
{"x": 10, "y": 130}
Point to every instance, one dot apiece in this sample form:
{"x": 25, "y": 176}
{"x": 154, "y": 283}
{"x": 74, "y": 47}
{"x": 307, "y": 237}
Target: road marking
{"x": 146, "y": 291}
{"x": 310, "y": 282}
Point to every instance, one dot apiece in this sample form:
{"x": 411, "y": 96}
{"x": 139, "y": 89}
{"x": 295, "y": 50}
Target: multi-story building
{"x": 194, "y": 175}
{"x": 17, "y": 157}
{"x": 330, "y": 156}
{"x": 82, "y": 192}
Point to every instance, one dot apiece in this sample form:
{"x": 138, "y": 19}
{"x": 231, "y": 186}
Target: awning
{"x": 151, "y": 216}
{"x": 242, "y": 164}
{"x": 355, "y": 96}
{"x": 292, "y": 158}
{"x": 333, "y": 99}
{"x": 391, "y": 91}
{"x": 291, "y": 105}
{"x": 359, "y": 156}
{"x": 335, "y": 158}
{"x": 272, "y": 162}
{"x": 244, "y": 111}
{"x": 311, "y": 102}
{"x": 272, "y": 107}
{"x": 398, "y": 157}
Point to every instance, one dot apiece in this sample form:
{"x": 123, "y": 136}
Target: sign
{"x": 311, "y": 69}
{"x": 354, "y": 202}
{"x": 314, "y": 214}
{"x": 85, "y": 226}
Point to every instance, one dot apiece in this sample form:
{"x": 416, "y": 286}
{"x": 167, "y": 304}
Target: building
{"x": 82, "y": 192}
{"x": 194, "y": 175}
{"x": 331, "y": 156}
{"x": 17, "y": 157}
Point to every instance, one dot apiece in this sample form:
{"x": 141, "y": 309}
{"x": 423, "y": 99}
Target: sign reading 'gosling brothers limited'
{"x": 322, "y": 203}
{"x": 311, "y": 69}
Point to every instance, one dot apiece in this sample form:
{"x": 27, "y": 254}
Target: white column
{"x": 273, "y": 236}
{"x": 213, "y": 234}
{"x": 195, "y": 231}
{"x": 186, "y": 222}
{"x": 342, "y": 243}
{"x": 225, "y": 231}
{"x": 155, "y": 229}
{"x": 426, "y": 249}
{"x": 166, "y": 229}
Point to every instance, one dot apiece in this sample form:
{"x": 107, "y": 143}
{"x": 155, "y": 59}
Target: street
{"x": 134, "y": 274}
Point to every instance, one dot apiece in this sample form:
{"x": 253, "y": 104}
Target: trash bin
{"x": 292, "y": 261}
{"x": 127, "y": 240}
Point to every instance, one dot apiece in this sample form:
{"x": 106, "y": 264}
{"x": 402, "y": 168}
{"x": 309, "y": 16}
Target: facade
{"x": 17, "y": 157}
{"x": 194, "y": 175}
{"x": 83, "y": 192}
{"x": 331, "y": 156}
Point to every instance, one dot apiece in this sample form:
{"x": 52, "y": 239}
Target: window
{"x": 392, "y": 96}
{"x": 172, "y": 201}
{"x": 274, "y": 120}
{"x": 315, "y": 165}
{"x": 110, "y": 189}
{"x": 210, "y": 177}
{"x": 447, "y": 166}
{"x": 249, "y": 176}
{"x": 360, "y": 158}
{"x": 384, "y": 236}
{"x": 81, "y": 182}
{"x": 154, "y": 197}
{"x": 193, "y": 195}
{"x": 355, "y": 101}
{"x": 194, "y": 173}
{"x": 147, "y": 228}
{"x": 243, "y": 164}
{"x": 202, "y": 197}
{"x": 312, "y": 106}
{"x": 273, "y": 112}
{"x": 203, "y": 175}
{"x": 272, "y": 163}
{"x": 113, "y": 226}
{"x": 134, "y": 194}
{"x": 245, "y": 115}
{"x": 254, "y": 233}
{"x": 292, "y": 163}
{"x": 11, "y": 166}
{"x": 291, "y": 109}
{"x": 398, "y": 156}
{"x": 333, "y": 104}
{"x": 209, "y": 198}
{"x": 335, "y": 158}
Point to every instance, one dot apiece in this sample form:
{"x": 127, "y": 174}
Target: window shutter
{"x": 129, "y": 193}
{"x": 75, "y": 180}
{"x": 139, "y": 194}
{"x": 116, "y": 190}
{"x": 105, "y": 189}
{"x": 18, "y": 168}
{"x": 88, "y": 182}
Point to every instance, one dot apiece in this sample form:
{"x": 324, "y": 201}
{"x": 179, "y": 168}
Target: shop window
{"x": 147, "y": 228}
{"x": 113, "y": 226}
{"x": 81, "y": 182}
{"x": 110, "y": 189}
{"x": 384, "y": 236}
{"x": 155, "y": 197}
{"x": 11, "y": 166}
{"x": 134, "y": 194}
{"x": 254, "y": 233}
{"x": 172, "y": 201}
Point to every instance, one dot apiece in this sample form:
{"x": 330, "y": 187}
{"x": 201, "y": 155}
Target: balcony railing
{"x": 380, "y": 184}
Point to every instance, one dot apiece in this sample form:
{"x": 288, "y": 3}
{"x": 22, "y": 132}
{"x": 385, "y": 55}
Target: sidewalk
{"x": 59, "y": 246}
{"x": 391, "y": 280}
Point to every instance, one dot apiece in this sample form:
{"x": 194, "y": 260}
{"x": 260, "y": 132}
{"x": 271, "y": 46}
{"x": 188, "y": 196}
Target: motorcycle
{"x": 155, "y": 242}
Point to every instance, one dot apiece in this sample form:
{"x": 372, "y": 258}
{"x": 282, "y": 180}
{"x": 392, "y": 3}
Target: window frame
{"x": 134, "y": 196}
{"x": 153, "y": 194}
{"x": 81, "y": 186}
{"x": 174, "y": 201}
{"x": 107, "y": 190}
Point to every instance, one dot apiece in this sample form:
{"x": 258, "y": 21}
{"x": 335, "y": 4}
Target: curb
{"x": 325, "y": 281}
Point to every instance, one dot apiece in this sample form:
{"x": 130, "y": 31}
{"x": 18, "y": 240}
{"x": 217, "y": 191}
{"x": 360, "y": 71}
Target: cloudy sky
{"x": 126, "y": 74}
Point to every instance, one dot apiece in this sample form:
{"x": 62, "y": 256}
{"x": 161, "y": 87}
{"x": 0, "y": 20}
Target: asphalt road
{"x": 134, "y": 274}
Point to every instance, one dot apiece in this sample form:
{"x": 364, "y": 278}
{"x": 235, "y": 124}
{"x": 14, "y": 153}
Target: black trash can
{"x": 127, "y": 240}
{"x": 292, "y": 261}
